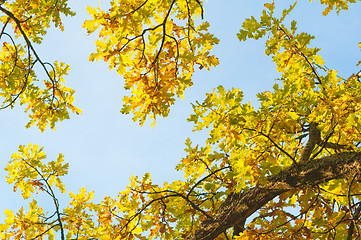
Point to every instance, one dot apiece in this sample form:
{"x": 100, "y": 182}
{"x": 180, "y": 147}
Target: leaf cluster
{"x": 154, "y": 46}
{"x": 47, "y": 100}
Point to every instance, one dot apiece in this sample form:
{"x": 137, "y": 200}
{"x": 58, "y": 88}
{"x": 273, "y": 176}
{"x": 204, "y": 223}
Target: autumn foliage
{"x": 299, "y": 150}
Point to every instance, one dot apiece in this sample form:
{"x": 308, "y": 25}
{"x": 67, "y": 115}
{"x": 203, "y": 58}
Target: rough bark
{"x": 314, "y": 137}
{"x": 239, "y": 206}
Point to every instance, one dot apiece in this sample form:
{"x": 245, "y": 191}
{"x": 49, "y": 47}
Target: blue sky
{"x": 104, "y": 147}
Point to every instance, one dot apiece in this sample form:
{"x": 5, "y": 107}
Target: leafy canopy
{"x": 309, "y": 123}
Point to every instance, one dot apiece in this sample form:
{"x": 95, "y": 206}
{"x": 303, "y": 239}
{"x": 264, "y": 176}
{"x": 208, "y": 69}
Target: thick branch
{"x": 314, "y": 137}
{"x": 239, "y": 206}
{"x": 356, "y": 216}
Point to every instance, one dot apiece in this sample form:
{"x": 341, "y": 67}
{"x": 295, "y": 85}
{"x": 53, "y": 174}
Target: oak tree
{"x": 288, "y": 169}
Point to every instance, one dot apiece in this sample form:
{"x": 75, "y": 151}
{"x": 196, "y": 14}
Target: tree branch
{"x": 239, "y": 206}
{"x": 314, "y": 137}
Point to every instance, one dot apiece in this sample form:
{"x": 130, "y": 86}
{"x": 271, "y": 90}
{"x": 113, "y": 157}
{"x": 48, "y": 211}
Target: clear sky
{"x": 104, "y": 147}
